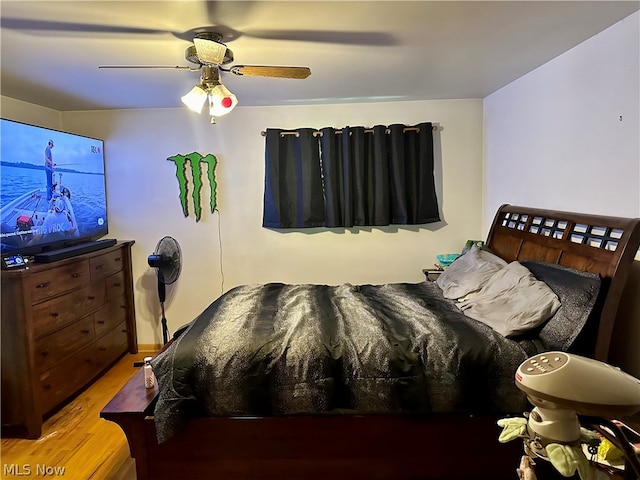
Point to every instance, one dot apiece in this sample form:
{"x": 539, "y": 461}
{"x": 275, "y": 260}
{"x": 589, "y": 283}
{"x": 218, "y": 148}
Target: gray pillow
{"x": 578, "y": 292}
{"x": 469, "y": 272}
{"x": 512, "y": 302}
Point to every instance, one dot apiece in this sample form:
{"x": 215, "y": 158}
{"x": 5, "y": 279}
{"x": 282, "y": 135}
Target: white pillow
{"x": 469, "y": 272}
{"x": 512, "y": 301}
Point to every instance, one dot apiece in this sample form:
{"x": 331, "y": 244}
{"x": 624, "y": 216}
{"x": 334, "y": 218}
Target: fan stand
{"x": 162, "y": 293}
{"x": 166, "y": 261}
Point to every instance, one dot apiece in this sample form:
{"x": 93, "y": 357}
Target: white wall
{"x": 19, "y": 111}
{"x": 142, "y": 191}
{"x": 567, "y": 136}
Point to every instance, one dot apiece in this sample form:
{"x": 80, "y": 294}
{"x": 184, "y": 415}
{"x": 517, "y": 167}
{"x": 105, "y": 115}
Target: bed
{"x": 326, "y": 433}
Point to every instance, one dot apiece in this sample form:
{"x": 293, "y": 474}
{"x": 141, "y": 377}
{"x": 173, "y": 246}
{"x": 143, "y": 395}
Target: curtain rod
{"x": 317, "y": 132}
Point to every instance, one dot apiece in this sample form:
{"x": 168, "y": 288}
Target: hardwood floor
{"x": 76, "y": 443}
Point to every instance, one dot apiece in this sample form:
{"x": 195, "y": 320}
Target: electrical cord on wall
{"x": 220, "y": 256}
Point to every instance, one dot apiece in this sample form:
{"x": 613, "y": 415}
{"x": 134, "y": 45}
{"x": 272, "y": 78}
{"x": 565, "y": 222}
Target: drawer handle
{"x": 91, "y": 297}
{"x": 43, "y": 285}
{"x": 118, "y": 284}
{"x": 54, "y": 314}
{"x": 46, "y": 386}
{"x": 76, "y": 275}
{"x": 44, "y": 353}
{"x": 118, "y": 259}
{"x": 85, "y": 331}
{"x": 124, "y": 330}
{"x": 102, "y": 349}
{"x": 100, "y": 322}
{"x": 99, "y": 267}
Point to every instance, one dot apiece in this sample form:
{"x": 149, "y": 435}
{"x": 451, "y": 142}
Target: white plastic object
{"x": 149, "y": 377}
{"x": 564, "y": 381}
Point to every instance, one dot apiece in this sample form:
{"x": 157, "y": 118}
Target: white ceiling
{"x": 357, "y": 51}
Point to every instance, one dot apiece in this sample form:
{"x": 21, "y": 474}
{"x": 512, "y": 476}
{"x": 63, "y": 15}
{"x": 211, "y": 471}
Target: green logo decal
{"x": 195, "y": 160}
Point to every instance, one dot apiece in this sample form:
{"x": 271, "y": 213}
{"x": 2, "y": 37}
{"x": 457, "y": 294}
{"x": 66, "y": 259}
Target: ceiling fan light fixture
{"x": 195, "y": 99}
{"x": 221, "y": 100}
{"x": 210, "y": 50}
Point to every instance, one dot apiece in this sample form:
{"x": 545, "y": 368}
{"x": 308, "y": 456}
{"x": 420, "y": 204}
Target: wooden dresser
{"x": 63, "y": 323}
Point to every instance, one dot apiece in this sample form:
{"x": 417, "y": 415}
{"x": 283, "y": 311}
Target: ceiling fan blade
{"x": 165, "y": 67}
{"x": 210, "y": 51}
{"x": 52, "y": 26}
{"x": 271, "y": 71}
{"x": 326, "y": 36}
{"x": 230, "y": 13}
{"x": 225, "y": 14}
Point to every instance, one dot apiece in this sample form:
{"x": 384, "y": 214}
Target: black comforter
{"x": 279, "y": 349}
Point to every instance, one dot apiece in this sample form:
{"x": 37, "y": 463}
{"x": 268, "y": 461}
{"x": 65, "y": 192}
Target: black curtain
{"x": 293, "y": 195}
{"x": 355, "y": 177}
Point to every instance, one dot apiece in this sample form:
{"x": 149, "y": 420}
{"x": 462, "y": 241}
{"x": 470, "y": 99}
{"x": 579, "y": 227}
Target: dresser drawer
{"x": 53, "y": 348}
{"x": 52, "y": 282}
{"x": 115, "y": 285}
{"x": 66, "y": 378}
{"x": 104, "y": 265}
{"x": 110, "y": 346}
{"x": 63, "y": 310}
{"x": 110, "y": 315}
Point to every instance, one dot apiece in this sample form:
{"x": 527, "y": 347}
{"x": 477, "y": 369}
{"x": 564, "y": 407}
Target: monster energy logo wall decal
{"x": 195, "y": 160}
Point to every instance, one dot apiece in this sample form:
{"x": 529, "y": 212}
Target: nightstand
{"x": 431, "y": 274}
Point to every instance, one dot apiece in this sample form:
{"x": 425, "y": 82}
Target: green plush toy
{"x": 567, "y": 459}
{"x": 512, "y": 428}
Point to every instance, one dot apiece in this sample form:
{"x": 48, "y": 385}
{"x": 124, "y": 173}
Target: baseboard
{"x": 149, "y": 347}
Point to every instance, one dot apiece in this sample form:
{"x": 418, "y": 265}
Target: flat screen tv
{"x": 52, "y": 189}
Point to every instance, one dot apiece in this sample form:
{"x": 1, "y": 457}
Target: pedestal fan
{"x": 167, "y": 260}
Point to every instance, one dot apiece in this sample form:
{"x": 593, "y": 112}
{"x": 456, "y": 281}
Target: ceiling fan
{"x": 209, "y": 54}
{"x": 208, "y": 49}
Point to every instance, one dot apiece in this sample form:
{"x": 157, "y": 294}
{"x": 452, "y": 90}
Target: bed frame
{"x": 434, "y": 446}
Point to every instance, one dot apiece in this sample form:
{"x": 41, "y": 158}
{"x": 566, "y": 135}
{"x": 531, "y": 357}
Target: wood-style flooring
{"x": 76, "y": 443}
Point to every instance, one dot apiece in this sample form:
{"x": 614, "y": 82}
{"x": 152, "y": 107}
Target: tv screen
{"x": 52, "y": 188}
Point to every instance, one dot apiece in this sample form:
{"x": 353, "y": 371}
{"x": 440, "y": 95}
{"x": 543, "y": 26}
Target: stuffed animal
{"x": 567, "y": 459}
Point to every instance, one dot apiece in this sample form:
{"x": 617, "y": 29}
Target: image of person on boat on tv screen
{"x": 48, "y": 167}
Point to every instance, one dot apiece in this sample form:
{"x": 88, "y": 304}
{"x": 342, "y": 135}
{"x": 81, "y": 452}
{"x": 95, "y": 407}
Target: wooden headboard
{"x": 594, "y": 243}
